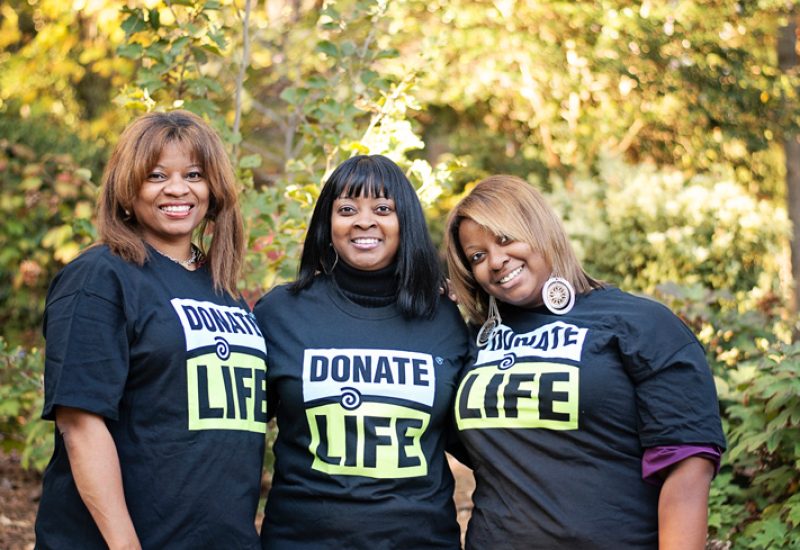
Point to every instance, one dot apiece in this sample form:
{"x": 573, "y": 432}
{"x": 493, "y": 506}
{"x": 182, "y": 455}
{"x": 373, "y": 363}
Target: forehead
{"x": 471, "y": 233}
{"x": 175, "y": 150}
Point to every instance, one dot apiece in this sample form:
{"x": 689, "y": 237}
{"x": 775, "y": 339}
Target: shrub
{"x": 637, "y": 227}
{"x": 21, "y": 398}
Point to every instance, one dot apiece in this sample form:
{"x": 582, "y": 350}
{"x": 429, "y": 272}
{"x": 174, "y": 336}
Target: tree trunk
{"x": 787, "y": 61}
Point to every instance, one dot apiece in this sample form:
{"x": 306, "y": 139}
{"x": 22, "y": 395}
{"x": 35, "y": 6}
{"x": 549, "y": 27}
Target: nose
{"x": 497, "y": 258}
{"x": 176, "y": 185}
{"x": 364, "y": 219}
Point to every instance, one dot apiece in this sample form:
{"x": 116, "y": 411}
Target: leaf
{"x": 387, "y": 53}
{"x": 134, "y": 23}
{"x": 154, "y": 18}
{"x": 294, "y": 96}
{"x": 328, "y": 48}
{"x": 348, "y": 48}
{"x": 131, "y": 50}
{"x": 250, "y": 161}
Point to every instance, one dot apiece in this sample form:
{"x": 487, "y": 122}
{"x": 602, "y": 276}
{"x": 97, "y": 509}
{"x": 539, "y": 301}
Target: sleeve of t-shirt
{"x": 454, "y": 446}
{"x": 675, "y": 394}
{"x": 86, "y": 351}
{"x": 260, "y": 311}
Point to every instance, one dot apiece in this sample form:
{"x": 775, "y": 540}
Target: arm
{"x": 95, "y": 467}
{"x": 683, "y": 505}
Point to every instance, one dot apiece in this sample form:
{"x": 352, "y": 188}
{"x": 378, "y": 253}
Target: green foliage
{"x": 551, "y": 87}
{"x": 339, "y": 101}
{"x": 21, "y": 399}
{"x": 763, "y": 413}
{"x": 755, "y": 499}
{"x": 47, "y": 200}
{"x": 174, "y": 45}
{"x": 638, "y": 226}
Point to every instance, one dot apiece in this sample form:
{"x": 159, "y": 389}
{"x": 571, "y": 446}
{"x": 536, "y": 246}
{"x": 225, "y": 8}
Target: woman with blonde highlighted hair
{"x": 155, "y": 368}
{"x": 590, "y": 415}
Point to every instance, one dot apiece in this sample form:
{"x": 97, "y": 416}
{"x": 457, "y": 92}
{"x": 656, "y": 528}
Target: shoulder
{"x": 611, "y": 300}
{"x": 278, "y": 297}
{"x": 636, "y": 315}
{"x": 96, "y": 270}
{"x": 447, "y": 311}
{"x": 447, "y": 320}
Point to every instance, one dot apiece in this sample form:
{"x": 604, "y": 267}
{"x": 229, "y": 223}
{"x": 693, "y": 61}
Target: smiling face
{"x": 365, "y": 231}
{"x": 172, "y": 201}
{"x": 511, "y": 271}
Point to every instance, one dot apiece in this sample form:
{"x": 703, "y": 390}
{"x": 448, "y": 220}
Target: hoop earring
{"x": 335, "y": 261}
{"x": 493, "y": 321}
{"x": 558, "y": 295}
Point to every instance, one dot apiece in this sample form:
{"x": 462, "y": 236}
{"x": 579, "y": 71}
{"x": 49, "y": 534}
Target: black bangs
{"x": 365, "y": 176}
{"x": 369, "y": 187}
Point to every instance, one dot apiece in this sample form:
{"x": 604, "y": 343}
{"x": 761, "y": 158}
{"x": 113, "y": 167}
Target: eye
{"x": 476, "y": 257}
{"x": 384, "y": 209}
{"x": 155, "y": 176}
{"x": 503, "y": 239}
{"x": 194, "y": 175}
{"x": 346, "y": 210}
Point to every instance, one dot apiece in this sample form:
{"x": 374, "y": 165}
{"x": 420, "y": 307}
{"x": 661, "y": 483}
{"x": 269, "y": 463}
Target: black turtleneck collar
{"x": 367, "y": 288}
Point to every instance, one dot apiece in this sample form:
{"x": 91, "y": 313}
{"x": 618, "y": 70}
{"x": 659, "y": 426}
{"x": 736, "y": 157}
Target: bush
{"x": 47, "y": 200}
{"x": 21, "y": 399}
{"x": 754, "y": 502}
{"x": 763, "y": 461}
{"x": 637, "y": 227}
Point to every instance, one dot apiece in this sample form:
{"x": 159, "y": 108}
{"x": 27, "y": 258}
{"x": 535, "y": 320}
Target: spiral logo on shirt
{"x": 507, "y": 362}
{"x": 222, "y": 348}
{"x": 226, "y": 372}
{"x": 351, "y": 398}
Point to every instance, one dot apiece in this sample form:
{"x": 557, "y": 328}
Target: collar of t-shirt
{"x": 367, "y": 288}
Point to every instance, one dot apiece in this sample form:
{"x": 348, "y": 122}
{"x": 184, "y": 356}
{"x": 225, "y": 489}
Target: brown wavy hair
{"x": 508, "y": 206}
{"x": 136, "y": 153}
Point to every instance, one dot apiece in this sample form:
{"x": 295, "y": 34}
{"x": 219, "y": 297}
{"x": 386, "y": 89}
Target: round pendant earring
{"x": 558, "y": 295}
{"x": 493, "y": 321}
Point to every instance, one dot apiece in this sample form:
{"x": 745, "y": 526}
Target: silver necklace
{"x": 193, "y": 258}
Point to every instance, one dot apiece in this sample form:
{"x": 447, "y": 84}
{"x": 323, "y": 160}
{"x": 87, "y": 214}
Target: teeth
{"x": 176, "y": 209}
{"x": 365, "y": 241}
{"x": 511, "y": 275}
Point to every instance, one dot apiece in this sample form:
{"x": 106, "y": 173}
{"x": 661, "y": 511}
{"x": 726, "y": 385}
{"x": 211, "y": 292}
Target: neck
{"x": 367, "y": 288}
{"x": 188, "y": 259}
{"x": 176, "y": 251}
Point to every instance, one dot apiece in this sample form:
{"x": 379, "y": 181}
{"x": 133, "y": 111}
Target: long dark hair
{"x": 418, "y": 273}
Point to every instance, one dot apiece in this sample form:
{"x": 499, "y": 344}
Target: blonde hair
{"x": 508, "y": 206}
{"x": 135, "y": 154}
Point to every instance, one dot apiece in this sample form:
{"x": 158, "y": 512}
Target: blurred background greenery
{"x": 664, "y": 131}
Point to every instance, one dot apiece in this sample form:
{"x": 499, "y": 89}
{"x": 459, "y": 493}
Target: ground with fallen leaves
{"x": 20, "y": 491}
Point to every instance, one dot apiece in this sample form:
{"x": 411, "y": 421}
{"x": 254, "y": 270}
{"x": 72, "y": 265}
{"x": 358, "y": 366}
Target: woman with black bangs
{"x": 364, "y": 355}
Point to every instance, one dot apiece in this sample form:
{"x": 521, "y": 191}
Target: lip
{"x": 176, "y": 210}
{"x": 510, "y": 276}
{"x": 365, "y": 243}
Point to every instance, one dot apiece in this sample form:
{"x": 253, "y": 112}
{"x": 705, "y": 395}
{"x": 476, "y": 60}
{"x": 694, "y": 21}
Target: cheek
{"x": 480, "y": 274}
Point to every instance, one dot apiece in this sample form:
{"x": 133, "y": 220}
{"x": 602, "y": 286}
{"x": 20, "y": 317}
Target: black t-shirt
{"x": 557, "y": 411}
{"x": 363, "y": 400}
{"x": 178, "y": 371}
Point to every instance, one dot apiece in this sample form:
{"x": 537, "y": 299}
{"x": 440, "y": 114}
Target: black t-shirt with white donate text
{"x": 557, "y": 410}
{"x": 178, "y": 372}
{"x": 363, "y": 401}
